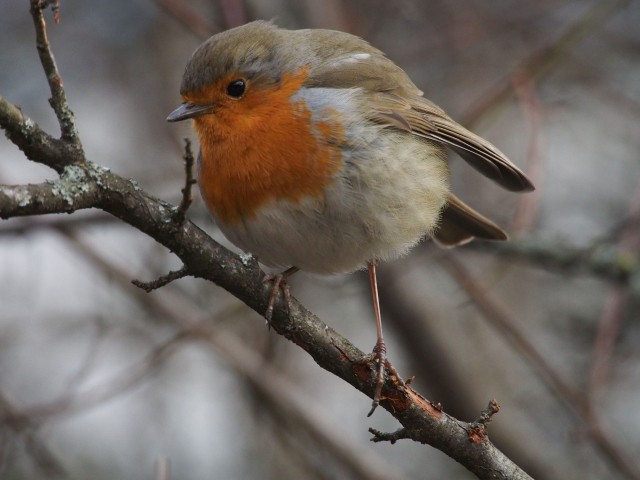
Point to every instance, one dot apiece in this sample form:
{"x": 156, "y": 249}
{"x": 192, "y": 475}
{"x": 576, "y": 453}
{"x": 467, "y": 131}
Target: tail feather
{"x": 459, "y": 224}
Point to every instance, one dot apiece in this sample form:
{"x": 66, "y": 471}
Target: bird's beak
{"x": 189, "y": 110}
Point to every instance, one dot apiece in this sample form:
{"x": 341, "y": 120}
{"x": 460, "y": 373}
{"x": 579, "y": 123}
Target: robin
{"x": 318, "y": 153}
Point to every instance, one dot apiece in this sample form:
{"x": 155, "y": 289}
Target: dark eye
{"x": 236, "y": 88}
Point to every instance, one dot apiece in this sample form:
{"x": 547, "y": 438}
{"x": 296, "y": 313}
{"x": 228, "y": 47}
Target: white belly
{"x": 377, "y": 208}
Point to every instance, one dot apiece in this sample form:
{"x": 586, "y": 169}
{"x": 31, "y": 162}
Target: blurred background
{"x": 96, "y": 380}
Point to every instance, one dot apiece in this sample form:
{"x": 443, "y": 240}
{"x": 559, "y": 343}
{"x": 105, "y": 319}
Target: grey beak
{"x": 189, "y": 110}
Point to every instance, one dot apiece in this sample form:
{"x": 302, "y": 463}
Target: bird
{"x": 318, "y": 153}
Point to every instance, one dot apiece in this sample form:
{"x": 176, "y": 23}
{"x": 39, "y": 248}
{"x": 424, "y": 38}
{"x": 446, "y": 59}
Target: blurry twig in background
{"x": 21, "y": 429}
{"x": 163, "y": 469}
{"x": 73, "y": 402}
{"x": 543, "y": 62}
{"x": 85, "y": 219}
{"x": 616, "y": 305}
{"x": 185, "y": 15}
{"x": 233, "y": 12}
{"x": 528, "y": 205}
{"x": 58, "y": 99}
{"x": 601, "y": 262}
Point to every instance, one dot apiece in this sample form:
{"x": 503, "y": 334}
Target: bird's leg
{"x": 380, "y": 349}
{"x": 279, "y": 284}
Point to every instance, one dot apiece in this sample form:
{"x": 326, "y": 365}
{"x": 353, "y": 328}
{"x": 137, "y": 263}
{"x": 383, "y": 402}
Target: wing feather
{"x": 392, "y": 99}
{"x": 423, "y": 118}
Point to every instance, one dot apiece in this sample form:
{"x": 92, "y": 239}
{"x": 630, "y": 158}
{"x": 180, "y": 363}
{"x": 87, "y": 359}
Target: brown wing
{"x": 423, "y": 118}
{"x": 478, "y": 152}
{"x": 459, "y": 224}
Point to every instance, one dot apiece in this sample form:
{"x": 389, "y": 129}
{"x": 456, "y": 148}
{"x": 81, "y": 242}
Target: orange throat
{"x": 265, "y": 147}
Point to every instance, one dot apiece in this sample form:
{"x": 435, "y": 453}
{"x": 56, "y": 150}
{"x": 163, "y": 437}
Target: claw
{"x": 279, "y": 282}
{"x": 379, "y": 355}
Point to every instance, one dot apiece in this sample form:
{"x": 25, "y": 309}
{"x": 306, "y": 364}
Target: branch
{"x": 64, "y": 195}
{"x": 189, "y": 182}
{"x": 58, "y": 98}
{"x": 162, "y": 281}
{"x": 605, "y": 263}
{"x": 35, "y": 143}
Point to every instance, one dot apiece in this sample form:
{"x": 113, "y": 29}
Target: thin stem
{"x": 58, "y": 98}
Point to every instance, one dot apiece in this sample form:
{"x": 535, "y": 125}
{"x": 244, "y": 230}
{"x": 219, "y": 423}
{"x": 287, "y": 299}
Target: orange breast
{"x": 262, "y": 147}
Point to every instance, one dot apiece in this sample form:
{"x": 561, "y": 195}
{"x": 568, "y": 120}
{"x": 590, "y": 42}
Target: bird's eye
{"x": 236, "y": 88}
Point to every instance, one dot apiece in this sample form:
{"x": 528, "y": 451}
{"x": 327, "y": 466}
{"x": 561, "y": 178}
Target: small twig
{"x": 185, "y": 15}
{"x": 163, "y": 468}
{"x": 120, "y": 383}
{"x": 233, "y": 12}
{"x": 58, "y": 98}
{"x": 37, "y": 144}
{"x": 601, "y": 261}
{"x": 541, "y": 63}
{"x": 615, "y": 307}
{"x": 54, "y": 4}
{"x": 162, "y": 281}
{"x": 55, "y": 9}
{"x": 21, "y": 428}
{"x": 487, "y": 414}
{"x": 529, "y": 205}
{"x": 392, "y": 437}
{"x": 478, "y": 429}
{"x": 190, "y": 180}
{"x": 29, "y": 224}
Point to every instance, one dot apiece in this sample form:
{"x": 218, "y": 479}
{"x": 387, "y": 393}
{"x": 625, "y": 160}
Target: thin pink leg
{"x": 380, "y": 349}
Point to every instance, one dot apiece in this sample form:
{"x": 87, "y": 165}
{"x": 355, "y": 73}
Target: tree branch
{"x": 58, "y": 98}
{"x": 64, "y": 195}
{"x": 189, "y": 182}
{"x": 605, "y": 263}
{"x": 35, "y": 143}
